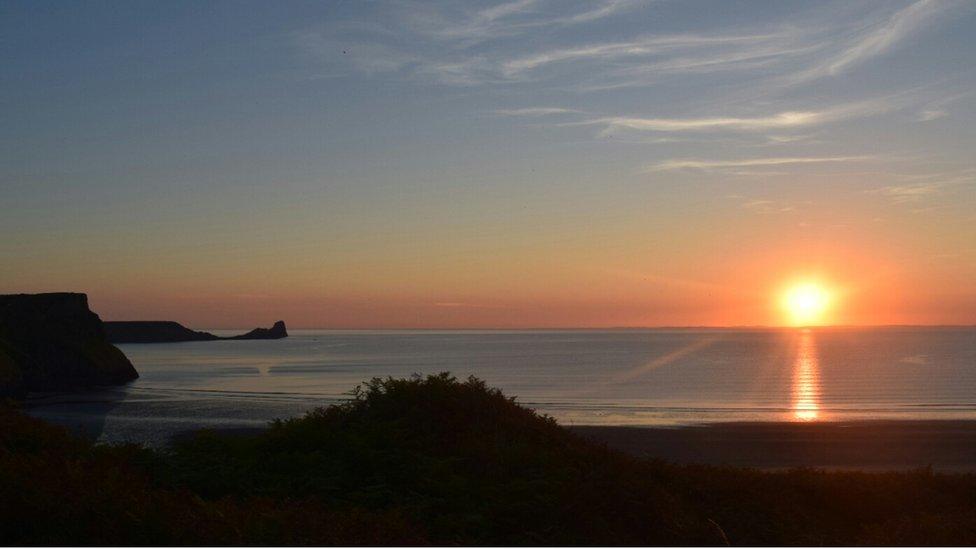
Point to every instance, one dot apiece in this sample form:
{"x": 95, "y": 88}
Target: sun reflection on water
{"x": 806, "y": 380}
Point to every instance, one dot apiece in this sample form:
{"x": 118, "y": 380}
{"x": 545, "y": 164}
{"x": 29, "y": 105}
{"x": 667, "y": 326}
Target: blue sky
{"x": 347, "y": 150}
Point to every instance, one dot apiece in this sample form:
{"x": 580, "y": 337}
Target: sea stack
{"x": 51, "y": 342}
{"x": 276, "y": 331}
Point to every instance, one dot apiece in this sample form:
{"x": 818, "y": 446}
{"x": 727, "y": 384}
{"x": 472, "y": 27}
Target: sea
{"x": 652, "y": 377}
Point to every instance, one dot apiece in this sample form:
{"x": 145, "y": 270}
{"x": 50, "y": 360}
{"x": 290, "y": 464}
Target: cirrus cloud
{"x": 709, "y": 165}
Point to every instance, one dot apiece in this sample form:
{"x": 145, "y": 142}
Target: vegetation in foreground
{"x": 440, "y": 461}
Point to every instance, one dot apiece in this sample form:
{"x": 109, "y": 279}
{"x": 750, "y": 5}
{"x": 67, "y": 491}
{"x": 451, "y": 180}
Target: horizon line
{"x": 616, "y": 328}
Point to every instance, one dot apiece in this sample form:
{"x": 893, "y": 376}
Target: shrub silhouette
{"x": 58, "y": 490}
{"x": 467, "y": 462}
{"x": 436, "y": 460}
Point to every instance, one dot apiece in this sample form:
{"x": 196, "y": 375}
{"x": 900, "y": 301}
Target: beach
{"x": 437, "y": 461}
{"x": 870, "y": 446}
{"x": 738, "y": 397}
{"x": 948, "y": 446}
{"x": 873, "y": 445}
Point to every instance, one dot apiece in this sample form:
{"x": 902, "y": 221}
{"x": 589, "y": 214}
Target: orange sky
{"x": 350, "y": 165}
{"x": 600, "y": 289}
{"x": 728, "y": 268}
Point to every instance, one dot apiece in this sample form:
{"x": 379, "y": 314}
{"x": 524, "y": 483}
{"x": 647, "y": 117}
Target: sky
{"x": 528, "y": 163}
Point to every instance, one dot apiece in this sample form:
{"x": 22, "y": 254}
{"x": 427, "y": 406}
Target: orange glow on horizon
{"x": 593, "y": 290}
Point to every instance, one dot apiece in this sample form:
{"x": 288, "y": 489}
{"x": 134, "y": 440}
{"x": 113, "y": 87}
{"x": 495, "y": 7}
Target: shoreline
{"x": 866, "y": 445}
{"x": 855, "y": 444}
{"x": 947, "y": 446}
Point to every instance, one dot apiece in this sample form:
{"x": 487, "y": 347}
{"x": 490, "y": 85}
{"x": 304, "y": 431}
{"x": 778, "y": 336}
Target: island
{"x": 54, "y": 342}
{"x": 167, "y": 331}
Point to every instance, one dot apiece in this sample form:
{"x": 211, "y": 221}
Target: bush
{"x": 440, "y": 461}
{"x": 459, "y": 458}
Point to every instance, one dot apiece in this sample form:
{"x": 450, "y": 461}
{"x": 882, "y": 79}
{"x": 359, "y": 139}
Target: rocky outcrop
{"x": 52, "y": 342}
{"x": 162, "y": 331}
{"x": 277, "y": 331}
{"x": 153, "y": 331}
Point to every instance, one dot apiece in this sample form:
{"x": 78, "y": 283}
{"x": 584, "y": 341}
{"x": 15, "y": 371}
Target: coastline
{"x": 155, "y": 418}
{"x": 440, "y": 450}
{"x": 868, "y": 445}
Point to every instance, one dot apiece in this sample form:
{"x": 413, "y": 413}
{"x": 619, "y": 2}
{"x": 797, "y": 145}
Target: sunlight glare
{"x": 806, "y": 380}
{"x": 806, "y": 303}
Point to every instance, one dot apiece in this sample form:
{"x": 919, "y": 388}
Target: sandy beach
{"x": 945, "y": 445}
{"x": 948, "y": 446}
{"x": 863, "y": 445}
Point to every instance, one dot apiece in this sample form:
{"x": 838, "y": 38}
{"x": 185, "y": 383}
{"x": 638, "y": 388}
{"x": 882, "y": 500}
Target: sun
{"x": 806, "y": 303}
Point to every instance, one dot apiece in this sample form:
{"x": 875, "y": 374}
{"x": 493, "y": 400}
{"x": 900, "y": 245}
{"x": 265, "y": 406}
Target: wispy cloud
{"x": 484, "y": 23}
{"x": 460, "y": 45}
{"x": 535, "y": 111}
{"x": 778, "y": 121}
{"x": 752, "y": 54}
{"x": 940, "y": 107}
{"x": 641, "y": 47}
{"x": 766, "y": 206}
{"x": 931, "y": 114}
{"x": 436, "y": 40}
{"x": 917, "y": 187}
{"x": 786, "y": 139}
{"x": 469, "y": 27}
{"x": 602, "y": 10}
{"x": 709, "y": 165}
{"x": 705, "y": 83}
{"x": 908, "y": 193}
{"x": 876, "y": 39}
{"x": 826, "y": 45}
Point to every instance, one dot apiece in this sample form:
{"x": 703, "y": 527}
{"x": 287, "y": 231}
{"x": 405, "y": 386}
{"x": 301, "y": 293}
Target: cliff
{"x": 54, "y": 342}
{"x": 164, "y": 331}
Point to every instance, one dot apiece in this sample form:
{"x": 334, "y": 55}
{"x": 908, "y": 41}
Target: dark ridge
{"x": 166, "y": 331}
{"x": 52, "y": 342}
{"x": 153, "y": 331}
{"x": 277, "y": 331}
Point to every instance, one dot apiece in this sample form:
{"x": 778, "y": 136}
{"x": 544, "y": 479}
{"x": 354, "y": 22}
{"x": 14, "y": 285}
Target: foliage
{"x": 440, "y": 461}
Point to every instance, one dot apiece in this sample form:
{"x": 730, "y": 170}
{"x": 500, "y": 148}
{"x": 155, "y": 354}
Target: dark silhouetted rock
{"x": 162, "y": 331}
{"x": 54, "y": 342}
{"x": 153, "y": 331}
{"x": 277, "y": 331}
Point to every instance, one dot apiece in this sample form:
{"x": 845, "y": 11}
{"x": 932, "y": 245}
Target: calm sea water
{"x": 623, "y": 377}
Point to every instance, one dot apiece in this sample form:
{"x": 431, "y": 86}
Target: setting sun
{"x": 806, "y": 303}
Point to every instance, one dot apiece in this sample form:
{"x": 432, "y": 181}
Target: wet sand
{"x": 864, "y": 445}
